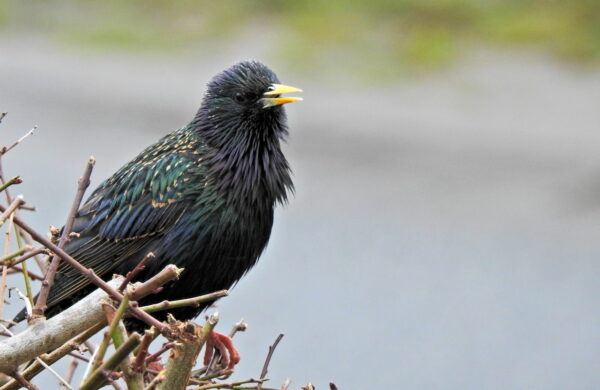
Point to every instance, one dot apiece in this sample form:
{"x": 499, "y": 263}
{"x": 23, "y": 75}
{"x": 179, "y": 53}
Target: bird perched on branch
{"x": 201, "y": 198}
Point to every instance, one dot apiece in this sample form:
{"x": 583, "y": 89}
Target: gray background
{"x": 444, "y": 230}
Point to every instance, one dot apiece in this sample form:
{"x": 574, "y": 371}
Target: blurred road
{"x": 444, "y": 232}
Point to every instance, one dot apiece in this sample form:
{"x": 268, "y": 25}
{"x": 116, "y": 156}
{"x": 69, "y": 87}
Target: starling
{"x": 202, "y": 198}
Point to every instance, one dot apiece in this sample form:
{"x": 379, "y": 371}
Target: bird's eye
{"x": 239, "y": 97}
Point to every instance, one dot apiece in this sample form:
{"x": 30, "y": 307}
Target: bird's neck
{"x": 248, "y": 165}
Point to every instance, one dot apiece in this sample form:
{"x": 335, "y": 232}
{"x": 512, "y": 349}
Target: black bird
{"x": 201, "y": 198}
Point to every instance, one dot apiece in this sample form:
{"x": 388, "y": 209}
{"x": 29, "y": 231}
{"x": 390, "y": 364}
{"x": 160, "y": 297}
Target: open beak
{"x": 275, "y": 90}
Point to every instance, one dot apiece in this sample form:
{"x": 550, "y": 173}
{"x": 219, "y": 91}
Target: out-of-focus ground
{"x": 444, "y": 232}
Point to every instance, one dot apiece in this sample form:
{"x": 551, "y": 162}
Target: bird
{"x": 202, "y": 198}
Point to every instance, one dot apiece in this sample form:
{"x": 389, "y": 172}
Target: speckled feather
{"x": 202, "y": 198}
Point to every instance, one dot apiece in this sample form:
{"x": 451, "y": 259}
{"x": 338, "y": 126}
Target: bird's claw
{"x": 224, "y": 344}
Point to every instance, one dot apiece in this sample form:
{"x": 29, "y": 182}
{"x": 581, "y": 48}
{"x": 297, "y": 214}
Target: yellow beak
{"x": 278, "y": 89}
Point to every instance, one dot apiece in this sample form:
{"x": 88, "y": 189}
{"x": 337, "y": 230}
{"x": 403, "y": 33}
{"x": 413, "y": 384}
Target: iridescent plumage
{"x": 202, "y": 198}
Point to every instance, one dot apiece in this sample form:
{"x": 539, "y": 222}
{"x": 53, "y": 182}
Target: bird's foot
{"x": 224, "y": 345}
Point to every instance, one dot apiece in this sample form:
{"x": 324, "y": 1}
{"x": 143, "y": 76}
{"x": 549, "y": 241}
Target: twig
{"x": 26, "y": 278}
{"x": 215, "y": 374}
{"x": 240, "y": 326}
{"x": 8, "y": 258}
{"x": 131, "y": 274}
{"x": 2, "y": 115}
{"x": 45, "y": 335}
{"x": 14, "y": 180}
{"x": 16, "y": 269}
{"x": 116, "y": 331}
{"x": 178, "y": 368}
{"x": 103, "y": 346}
{"x": 11, "y": 209}
{"x": 285, "y": 384}
{"x": 41, "y": 362}
{"x": 22, "y": 381}
{"x": 232, "y": 385}
{"x": 23, "y": 207}
{"x": 70, "y": 372}
{"x": 155, "y": 283}
{"x": 133, "y": 378}
{"x": 83, "y": 183}
{"x": 140, "y": 358}
{"x": 97, "y": 379}
{"x": 265, "y": 369}
{"x": 163, "y": 349}
{"x": 91, "y": 276}
{"x": 158, "y": 379}
{"x": 164, "y": 305}
{"x": 41, "y": 263}
{"x": 28, "y": 240}
{"x": 5, "y": 149}
{"x": 11, "y": 261}
{"x": 79, "y": 357}
{"x": 4, "y": 267}
{"x": 26, "y": 299}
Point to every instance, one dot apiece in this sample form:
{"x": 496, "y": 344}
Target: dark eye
{"x": 239, "y": 97}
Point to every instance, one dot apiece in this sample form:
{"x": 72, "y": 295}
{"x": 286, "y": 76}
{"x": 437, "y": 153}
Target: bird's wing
{"x": 129, "y": 211}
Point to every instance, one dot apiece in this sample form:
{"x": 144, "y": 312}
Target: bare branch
{"x": 42, "y": 336}
{"x": 155, "y": 283}
{"x": 158, "y": 379}
{"x": 232, "y": 385}
{"x": 131, "y": 274}
{"x": 11, "y": 261}
{"x": 83, "y": 183}
{"x": 11, "y": 209}
{"x": 113, "y": 323}
{"x": 23, "y": 382}
{"x": 164, "y": 305}
{"x": 43, "y": 361}
{"x": 156, "y": 355}
{"x": 97, "y": 379}
{"x": 240, "y": 326}
{"x": 265, "y": 369}
{"x": 183, "y": 357}
{"x": 140, "y": 358}
{"x": 4, "y": 267}
{"x": 5, "y": 149}
{"x": 8, "y": 259}
{"x": 90, "y": 275}
{"x": 16, "y": 269}
{"x": 70, "y": 372}
{"x": 14, "y": 180}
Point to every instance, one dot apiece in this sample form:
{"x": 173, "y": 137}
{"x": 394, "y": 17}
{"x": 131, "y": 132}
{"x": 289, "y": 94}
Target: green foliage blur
{"x": 374, "y": 36}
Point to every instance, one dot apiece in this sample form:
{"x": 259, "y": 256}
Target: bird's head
{"x": 247, "y": 96}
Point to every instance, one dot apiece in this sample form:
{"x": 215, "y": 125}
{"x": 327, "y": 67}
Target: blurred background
{"x": 444, "y": 232}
